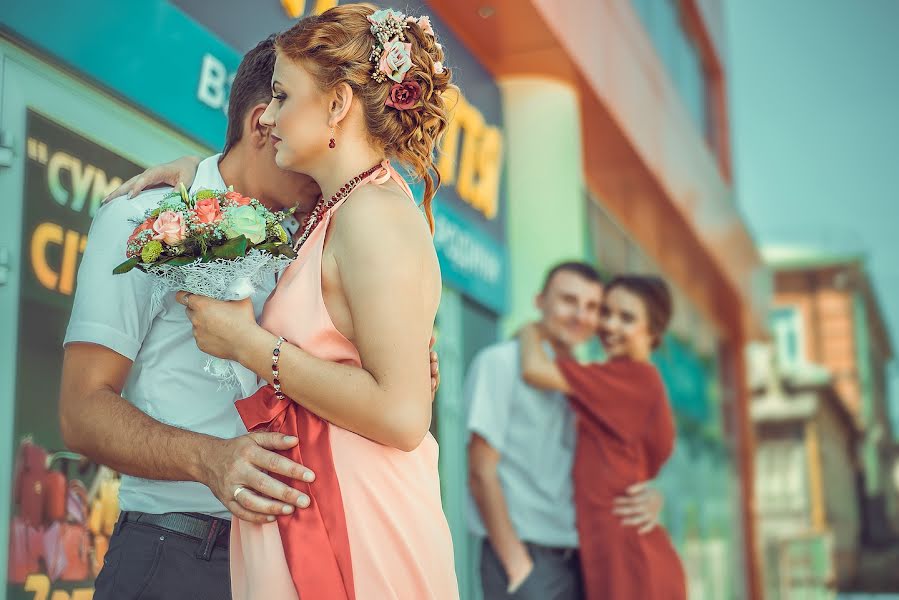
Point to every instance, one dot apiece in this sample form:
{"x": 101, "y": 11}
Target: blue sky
{"x": 814, "y": 94}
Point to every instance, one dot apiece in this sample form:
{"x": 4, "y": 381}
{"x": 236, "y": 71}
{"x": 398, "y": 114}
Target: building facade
{"x": 809, "y": 510}
{"x": 617, "y": 151}
{"x": 826, "y": 312}
{"x": 592, "y": 130}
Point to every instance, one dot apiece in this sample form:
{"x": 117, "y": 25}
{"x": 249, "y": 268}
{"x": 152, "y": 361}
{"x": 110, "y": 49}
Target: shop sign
{"x": 149, "y": 52}
{"x": 470, "y": 157}
{"x": 470, "y": 259}
{"x": 63, "y": 506}
{"x": 67, "y": 177}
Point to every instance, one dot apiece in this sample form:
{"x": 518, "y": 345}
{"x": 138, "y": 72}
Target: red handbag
{"x": 75, "y": 544}
{"x": 54, "y": 496}
{"x": 25, "y": 550}
{"x": 57, "y": 489}
{"x": 69, "y": 553}
{"x": 28, "y": 483}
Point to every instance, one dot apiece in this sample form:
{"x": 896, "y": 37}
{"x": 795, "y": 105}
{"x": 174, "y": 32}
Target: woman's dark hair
{"x": 656, "y": 297}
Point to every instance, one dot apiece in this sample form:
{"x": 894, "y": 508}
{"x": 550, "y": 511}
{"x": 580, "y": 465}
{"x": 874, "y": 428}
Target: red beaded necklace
{"x": 318, "y": 213}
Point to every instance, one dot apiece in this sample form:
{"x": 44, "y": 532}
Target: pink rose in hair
{"x": 425, "y": 24}
{"x": 169, "y": 228}
{"x": 404, "y": 96}
{"x": 208, "y": 210}
{"x": 396, "y": 60}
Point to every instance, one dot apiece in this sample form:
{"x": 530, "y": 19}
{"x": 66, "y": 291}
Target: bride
{"x": 344, "y": 338}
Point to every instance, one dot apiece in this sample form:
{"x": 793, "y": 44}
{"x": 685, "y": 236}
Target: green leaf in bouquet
{"x": 270, "y": 247}
{"x": 233, "y": 248}
{"x": 180, "y": 261}
{"x": 286, "y": 250}
{"x": 126, "y": 266}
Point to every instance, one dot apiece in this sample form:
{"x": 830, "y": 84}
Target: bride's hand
{"x": 181, "y": 170}
{"x": 219, "y": 326}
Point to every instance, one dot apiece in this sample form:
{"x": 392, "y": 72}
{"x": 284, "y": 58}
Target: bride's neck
{"x": 343, "y": 163}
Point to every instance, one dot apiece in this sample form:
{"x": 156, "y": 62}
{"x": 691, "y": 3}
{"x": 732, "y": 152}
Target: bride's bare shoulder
{"x": 384, "y": 210}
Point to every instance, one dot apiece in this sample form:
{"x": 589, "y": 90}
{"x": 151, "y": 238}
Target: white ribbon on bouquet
{"x": 232, "y": 279}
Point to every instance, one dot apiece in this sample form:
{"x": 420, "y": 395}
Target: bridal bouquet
{"x": 219, "y": 244}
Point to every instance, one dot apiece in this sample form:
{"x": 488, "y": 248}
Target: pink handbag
{"x": 25, "y": 550}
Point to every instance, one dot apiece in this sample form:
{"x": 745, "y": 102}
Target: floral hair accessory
{"x": 404, "y": 96}
{"x": 392, "y": 53}
{"x": 396, "y": 60}
{"x": 424, "y": 22}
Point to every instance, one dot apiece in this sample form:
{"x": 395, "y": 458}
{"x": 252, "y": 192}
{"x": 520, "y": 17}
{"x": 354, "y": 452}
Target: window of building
{"x": 682, "y": 58}
{"x": 786, "y": 325}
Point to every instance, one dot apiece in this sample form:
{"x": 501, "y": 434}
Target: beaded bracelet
{"x": 276, "y": 356}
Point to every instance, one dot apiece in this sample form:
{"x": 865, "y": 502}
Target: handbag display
{"x": 29, "y": 482}
{"x": 26, "y": 545}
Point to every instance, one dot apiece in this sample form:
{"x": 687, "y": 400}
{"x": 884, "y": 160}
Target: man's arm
{"x": 97, "y": 422}
{"x": 109, "y": 322}
{"x": 487, "y": 492}
{"x": 488, "y": 389}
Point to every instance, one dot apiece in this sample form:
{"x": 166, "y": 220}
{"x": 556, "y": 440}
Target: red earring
{"x": 332, "y": 143}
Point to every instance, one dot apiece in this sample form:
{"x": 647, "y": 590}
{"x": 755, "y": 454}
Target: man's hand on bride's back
{"x": 181, "y": 170}
{"x": 237, "y": 472}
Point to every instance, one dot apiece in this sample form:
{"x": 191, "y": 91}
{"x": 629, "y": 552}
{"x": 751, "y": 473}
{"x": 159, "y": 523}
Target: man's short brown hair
{"x": 582, "y": 269}
{"x": 252, "y": 85}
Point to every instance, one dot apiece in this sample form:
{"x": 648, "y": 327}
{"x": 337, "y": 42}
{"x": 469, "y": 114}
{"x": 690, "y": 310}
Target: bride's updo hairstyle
{"x": 394, "y": 66}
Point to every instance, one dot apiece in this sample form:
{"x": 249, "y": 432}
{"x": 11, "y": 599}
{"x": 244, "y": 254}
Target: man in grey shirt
{"x": 521, "y": 453}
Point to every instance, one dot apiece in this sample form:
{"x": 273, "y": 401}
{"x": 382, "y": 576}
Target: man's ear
{"x": 257, "y": 132}
{"x": 339, "y": 104}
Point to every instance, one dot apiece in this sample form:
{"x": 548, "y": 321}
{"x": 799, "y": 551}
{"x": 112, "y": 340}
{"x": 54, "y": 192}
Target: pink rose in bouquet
{"x": 145, "y": 226}
{"x": 141, "y": 234}
{"x": 237, "y": 198}
{"x": 169, "y": 228}
{"x": 208, "y": 210}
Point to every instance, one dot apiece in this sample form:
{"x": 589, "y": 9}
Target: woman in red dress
{"x": 625, "y": 433}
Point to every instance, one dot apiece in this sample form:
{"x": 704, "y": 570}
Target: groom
{"x": 187, "y": 462}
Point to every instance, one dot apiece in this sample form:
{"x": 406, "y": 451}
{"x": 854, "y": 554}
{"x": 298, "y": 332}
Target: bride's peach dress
{"x": 375, "y": 529}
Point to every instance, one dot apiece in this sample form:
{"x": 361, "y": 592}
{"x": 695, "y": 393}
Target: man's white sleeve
{"x": 110, "y": 310}
{"x": 488, "y": 390}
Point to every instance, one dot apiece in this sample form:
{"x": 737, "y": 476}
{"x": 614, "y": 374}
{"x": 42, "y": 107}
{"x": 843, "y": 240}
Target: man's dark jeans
{"x": 556, "y": 575}
{"x": 145, "y": 562}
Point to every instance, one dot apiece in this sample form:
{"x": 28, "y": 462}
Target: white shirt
{"x": 533, "y": 431}
{"x": 167, "y": 380}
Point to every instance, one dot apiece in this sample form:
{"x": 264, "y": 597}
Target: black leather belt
{"x": 565, "y": 552}
{"x": 209, "y": 531}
